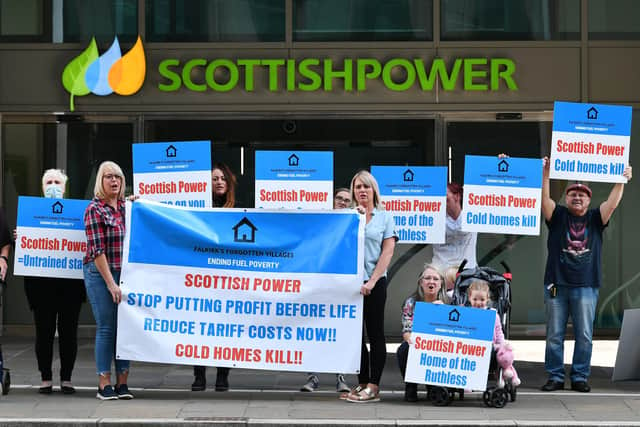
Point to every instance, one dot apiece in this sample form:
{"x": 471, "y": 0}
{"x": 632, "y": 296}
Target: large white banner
{"x": 51, "y": 239}
{"x": 242, "y": 288}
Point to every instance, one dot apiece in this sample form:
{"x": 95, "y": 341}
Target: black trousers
{"x": 372, "y": 362}
{"x": 402, "y": 354}
{"x": 201, "y": 371}
{"x": 55, "y": 304}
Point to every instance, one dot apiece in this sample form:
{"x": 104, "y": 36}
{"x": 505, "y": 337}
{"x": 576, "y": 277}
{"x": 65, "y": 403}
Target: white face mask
{"x": 53, "y": 191}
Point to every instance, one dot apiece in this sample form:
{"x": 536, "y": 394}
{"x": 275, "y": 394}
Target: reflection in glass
{"x": 84, "y": 19}
{"x": 362, "y": 20}
{"x": 215, "y": 20}
{"x": 510, "y": 20}
{"x": 614, "y": 19}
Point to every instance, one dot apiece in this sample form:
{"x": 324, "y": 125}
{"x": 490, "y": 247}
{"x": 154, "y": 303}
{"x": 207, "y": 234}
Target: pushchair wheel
{"x": 461, "y": 394}
{"x": 6, "y": 381}
{"x": 513, "y": 391}
{"x": 440, "y": 396}
{"x": 499, "y": 398}
{"x": 486, "y": 398}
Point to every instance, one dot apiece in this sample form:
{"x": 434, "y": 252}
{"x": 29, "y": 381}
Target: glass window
{"x": 510, "y": 20}
{"x": 362, "y": 20}
{"x": 24, "y": 21}
{"x": 215, "y": 20}
{"x": 84, "y": 19}
{"x": 614, "y": 20}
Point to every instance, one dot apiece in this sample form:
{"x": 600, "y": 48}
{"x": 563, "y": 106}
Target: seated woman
{"x": 429, "y": 289}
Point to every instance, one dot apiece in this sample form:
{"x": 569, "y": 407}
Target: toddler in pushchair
{"x": 483, "y": 287}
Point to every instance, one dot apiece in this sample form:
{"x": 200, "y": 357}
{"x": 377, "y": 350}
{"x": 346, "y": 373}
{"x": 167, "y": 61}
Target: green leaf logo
{"x": 73, "y": 76}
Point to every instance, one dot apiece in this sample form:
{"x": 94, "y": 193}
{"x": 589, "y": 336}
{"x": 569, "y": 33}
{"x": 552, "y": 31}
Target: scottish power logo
{"x": 107, "y": 73}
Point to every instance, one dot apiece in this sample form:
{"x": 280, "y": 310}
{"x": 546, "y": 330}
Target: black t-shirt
{"x": 575, "y": 248}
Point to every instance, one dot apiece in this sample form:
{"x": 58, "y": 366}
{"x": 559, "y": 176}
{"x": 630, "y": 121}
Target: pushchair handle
{"x": 462, "y": 264}
{"x": 506, "y": 267}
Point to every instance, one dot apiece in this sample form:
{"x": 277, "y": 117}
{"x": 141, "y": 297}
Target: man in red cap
{"x": 573, "y": 275}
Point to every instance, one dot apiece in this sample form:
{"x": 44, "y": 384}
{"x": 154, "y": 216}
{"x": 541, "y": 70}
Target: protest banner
{"x": 451, "y": 346}
{"x": 176, "y": 173}
{"x": 502, "y": 195}
{"x": 242, "y": 288}
{"x": 51, "y": 239}
{"x": 300, "y": 180}
{"x": 417, "y": 199}
{"x": 590, "y": 142}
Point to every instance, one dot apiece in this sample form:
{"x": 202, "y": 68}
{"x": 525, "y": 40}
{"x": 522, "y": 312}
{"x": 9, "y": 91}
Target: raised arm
{"x": 608, "y": 206}
{"x": 548, "y": 205}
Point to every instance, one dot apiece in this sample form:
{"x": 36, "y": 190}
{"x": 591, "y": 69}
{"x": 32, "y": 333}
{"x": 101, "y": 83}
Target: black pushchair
{"x": 500, "y": 288}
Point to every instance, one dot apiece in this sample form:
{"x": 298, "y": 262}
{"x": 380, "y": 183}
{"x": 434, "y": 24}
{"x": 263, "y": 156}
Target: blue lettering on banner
{"x": 252, "y": 240}
{"x": 592, "y": 118}
{"x": 507, "y": 172}
{"x": 158, "y": 157}
{"x": 294, "y": 166}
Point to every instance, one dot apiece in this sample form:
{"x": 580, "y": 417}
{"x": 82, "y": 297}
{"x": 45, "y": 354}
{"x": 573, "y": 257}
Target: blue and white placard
{"x": 242, "y": 288}
{"x": 590, "y": 142}
{"x": 417, "y": 198}
{"x": 450, "y": 346}
{"x": 294, "y": 180}
{"x": 51, "y": 241}
{"x": 176, "y": 173}
{"x": 502, "y": 195}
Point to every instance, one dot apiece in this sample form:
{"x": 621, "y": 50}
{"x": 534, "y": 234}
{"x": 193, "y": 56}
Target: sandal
{"x": 366, "y": 395}
{"x": 355, "y": 390}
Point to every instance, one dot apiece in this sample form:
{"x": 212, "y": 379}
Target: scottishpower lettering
{"x": 312, "y": 74}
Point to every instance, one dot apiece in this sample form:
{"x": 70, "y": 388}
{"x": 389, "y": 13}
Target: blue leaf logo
{"x": 97, "y": 72}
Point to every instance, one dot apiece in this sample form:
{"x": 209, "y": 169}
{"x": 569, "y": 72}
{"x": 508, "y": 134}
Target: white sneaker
{"x": 312, "y": 384}
{"x": 341, "y": 384}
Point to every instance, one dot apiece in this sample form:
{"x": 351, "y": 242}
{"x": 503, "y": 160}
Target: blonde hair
{"x": 368, "y": 180}
{"x": 56, "y": 174}
{"x": 105, "y": 168}
{"x": 450, "y": 275}
{"x": 480, "y": 286}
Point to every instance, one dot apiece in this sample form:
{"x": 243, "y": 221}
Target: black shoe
{"x": 552, "y": 385}
{"x": 222, "y": 379}
{"x": 411, "y": 392}
{"x": 67, "y": 389}
{"x": 581, "y": 386}
{"x": 45, "y": 389}
{"x": 199, "y": 383}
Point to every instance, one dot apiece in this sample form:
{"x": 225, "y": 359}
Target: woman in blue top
{"x": 380, "y": 240}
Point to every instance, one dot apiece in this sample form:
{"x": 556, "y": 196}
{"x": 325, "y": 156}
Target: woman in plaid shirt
{"x": 104, "y": 222}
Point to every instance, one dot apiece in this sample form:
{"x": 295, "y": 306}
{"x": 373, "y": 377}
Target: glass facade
{"x": 503, "y": 20}
{"x": 84, "y": 19}
{"x": 362, "y": 20}
{"x": 24, "y": 21}
{"x": 614, "y": 20}
{"x": 215, "y": 20}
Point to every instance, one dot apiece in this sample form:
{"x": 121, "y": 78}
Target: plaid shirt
{"x": 105, "y": 229}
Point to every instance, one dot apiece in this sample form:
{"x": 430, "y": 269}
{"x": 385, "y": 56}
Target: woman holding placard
{"x": 104, "y": 222}
{"x": 380, "y": 241}
{"x": 430, "y": 290}
{"x": 55, "y": 304}
{"x": 223, "y": 187}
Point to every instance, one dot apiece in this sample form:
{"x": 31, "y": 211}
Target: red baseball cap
{"x": 578, "y": 186}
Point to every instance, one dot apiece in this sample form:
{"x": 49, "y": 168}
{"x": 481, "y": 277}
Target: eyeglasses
{"x": 342, "y": 200}
{"x": 111, "y": 176}
{"x": 432, "y": 278}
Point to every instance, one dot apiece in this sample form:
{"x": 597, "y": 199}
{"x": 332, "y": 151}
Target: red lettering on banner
{"x": 609, "y": 150}
{"x": 522, "y": 202}
{"x": 277, "y": 285}
{"x": 192, "y": 187}
{"x": 236, "y": 354}
{"x": 41, "y": 243}
{"x": 156, "y": 188}
{"x": 73, "y": 246}
{"x": 192, "y": 351}
{"x": 278, "y": 196}
{"x": 313, "y": 196}
{"x": 579, "y": 147}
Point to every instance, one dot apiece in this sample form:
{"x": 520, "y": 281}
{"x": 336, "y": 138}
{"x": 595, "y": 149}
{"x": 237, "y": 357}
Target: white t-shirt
{"x": 458, "y": 245}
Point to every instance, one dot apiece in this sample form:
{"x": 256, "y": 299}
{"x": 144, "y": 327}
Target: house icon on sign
{"x": 293, "y": 160}
{"x": 592, "y": 114}
{"x": 244, "y": 231}
{"x": 408, "y": 175}
{"x": 171, "y": 151}
{"x": 454, "y": 315}
{"x": 56, "y": 208}
{"x": 503, "y": 166}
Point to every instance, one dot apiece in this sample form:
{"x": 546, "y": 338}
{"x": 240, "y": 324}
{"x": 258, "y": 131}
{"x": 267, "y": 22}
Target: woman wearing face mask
{"x": 223, "y": 186}
{"x": 55, "y": 303}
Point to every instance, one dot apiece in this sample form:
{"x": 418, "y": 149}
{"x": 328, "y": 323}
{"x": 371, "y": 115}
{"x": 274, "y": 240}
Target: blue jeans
{"x": 105, "y": 311}
{"x": 579, "y": 303}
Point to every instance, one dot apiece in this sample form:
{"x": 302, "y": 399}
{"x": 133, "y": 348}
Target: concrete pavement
{"x": 265, "y": 398}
